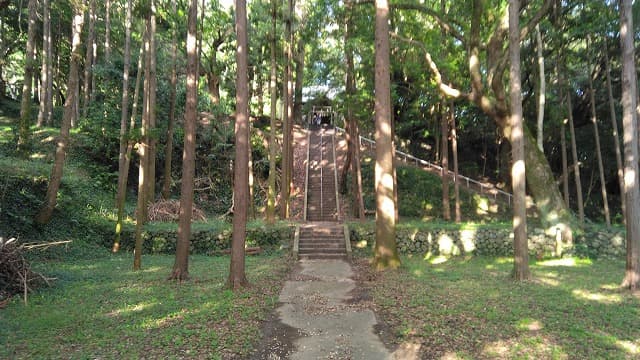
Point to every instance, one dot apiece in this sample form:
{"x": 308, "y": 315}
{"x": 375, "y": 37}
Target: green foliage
{"x": 209, "y": 238}
{"x": 100, "y": 308}
{"x": 468, "y": 308}
{"x": 420, "y": 196}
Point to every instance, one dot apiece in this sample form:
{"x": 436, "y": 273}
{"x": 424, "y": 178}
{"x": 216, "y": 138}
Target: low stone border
{"x": 492, "y": 240}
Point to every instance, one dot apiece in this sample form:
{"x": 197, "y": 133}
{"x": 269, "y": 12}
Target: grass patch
{"x": 469, "y": 308}
{"x": 102, "y": 309}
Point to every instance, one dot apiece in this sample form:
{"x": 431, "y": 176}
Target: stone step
{"x": 323, "y": 256}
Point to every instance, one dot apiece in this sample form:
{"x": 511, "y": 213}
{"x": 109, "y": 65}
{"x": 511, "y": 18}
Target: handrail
{"x": 321, "y": 175}
{"x": 406, "y": 157}
{"x": 306, "y": 176}
{"x": 335, "y": 173}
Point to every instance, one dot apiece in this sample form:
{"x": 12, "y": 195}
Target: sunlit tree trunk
{"x": 520, "y": 242}
{"x": 594, "y": 121}
{"x": 237, "y": 276}
{"x": 630, "y": 138}
{"x": 454, "y": 147}
{"x": 123, "y": 161}
{"x": 565, "y": 170}
{"x": 385, "y": 251}
{"x": 181, "y": 266}
{"x": 24, "y": 131}
{"x": 107, "y": 31}
{"x": 45, "y": 212}
{"x": 287, "y": 116}
{"x": 168, "y": 151}
{"x": 46, "y": 86}
{"x": 88, "y": 63}
{"x": 299, "y": 61}
{"x": 614, "y": 127}
{"x": 271, "y": 191}
{"x": 153, "y": 141}
{"x": 444, "y": 131}
{"x": 348, "y": 101}
{"x": 542, "y": 89}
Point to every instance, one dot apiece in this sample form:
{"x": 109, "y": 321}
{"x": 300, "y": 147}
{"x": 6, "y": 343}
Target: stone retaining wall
{"x": 493, "y": 240}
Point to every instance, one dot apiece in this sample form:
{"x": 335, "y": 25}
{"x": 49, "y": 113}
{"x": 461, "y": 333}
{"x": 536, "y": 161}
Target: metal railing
{"x": 485, "y": 189}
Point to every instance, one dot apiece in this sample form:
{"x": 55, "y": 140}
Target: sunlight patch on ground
{"x": 598, "y": 297}
{"x": 632, "y": 347}
{"x": 436, "y": 259}
{"x": 130, "y": 309}
{"x": 362, "y": 244}
{"x": 547, "y": 281}
{"x": 37, "y": 156}
{"x": 530, "y": 325}
{"x": 408, "y": 351}
{"x": 559, "y": 262}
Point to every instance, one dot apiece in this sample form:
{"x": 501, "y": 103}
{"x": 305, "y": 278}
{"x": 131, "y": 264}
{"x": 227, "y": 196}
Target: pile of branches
{"x": 16, "y": 276}
{"x": 169, "y": 210}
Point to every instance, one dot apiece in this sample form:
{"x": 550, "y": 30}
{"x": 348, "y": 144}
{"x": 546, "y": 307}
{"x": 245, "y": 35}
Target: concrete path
{"x": 324, "y": 315}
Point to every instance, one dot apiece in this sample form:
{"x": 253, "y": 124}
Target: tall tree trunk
{"x": 520, "y": 241}
{"x": 143, "y": 155}
{"x": 444, "y": 131}
{"x": 153, "y": 81}
{"x": 168, "y": 151}
{"x": 287, "y": 115}
{"x": 614, "y": 126}
{"x": 181, "y": 266}
{"x": 385, "y": 251}
{"x": 454, "y": 148}
{"x": 542, "y": 91}
{"x": 45, "y": 212}
{"x": 123, "y": 161}
{"x": 576, "y": 161}
{"x": 88, "y": 63}
{"x": 107, "y": 31}
{"x": 45, "y": 90}
{"x": 630, "y": 138}
{"x": 24, "y": 131}
{"x": 596, "y": 133}
{"x": 299, "y": 60}
{"x": 354, "y": 136}
{"x": 565, "y": 170}
{"x": 237, "y": 277}
{"x": 271, "y": 192}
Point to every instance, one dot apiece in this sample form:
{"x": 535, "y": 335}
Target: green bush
{"x": 206, "y": 238}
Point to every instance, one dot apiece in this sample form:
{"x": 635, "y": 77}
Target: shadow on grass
{"x": 101, "y": 308}
{"x": 469, "y": 307}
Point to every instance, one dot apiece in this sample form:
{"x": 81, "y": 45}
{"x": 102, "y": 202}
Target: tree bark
{"x": 123, "y": 163}
{"x": 168, "y": 152}
{"x": 45, "y": 212}
{"x": 596, "y": 133}
{"x": 299, "y": 60}
{"x": 454, "y": 147}
{"x": 576, "y": 161}
{"x": 153, "y": 81}
{"x": 107, "y": 31}
{"x": 287, "y": 116}
{"x": 88, "y": 63}
{"x": 444, "y": 131}
{"x": 237, "y": 276}
{"x": 271, "y": 192}
{"x": 520, "y": 241}
{"x": 24, "y": 131}
{"x": 614, "y": 127}
{"x": 565, "y": 170}
{"x": 385, "y": 250}
{"x": 630, "y": 139}
{"x": 180, "y": 270}
{"x": 45, "y": 77}
{"x": 542, "y": 91}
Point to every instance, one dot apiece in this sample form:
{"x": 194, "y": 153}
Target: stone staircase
{"x": 323, "y": 236}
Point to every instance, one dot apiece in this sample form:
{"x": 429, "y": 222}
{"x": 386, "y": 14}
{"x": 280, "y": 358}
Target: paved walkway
{"x": 323, "y": 315}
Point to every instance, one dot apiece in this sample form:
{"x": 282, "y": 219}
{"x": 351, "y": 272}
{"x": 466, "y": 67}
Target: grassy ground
{"x": 468, "y": 308}
{"x": 102, "y": 309}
